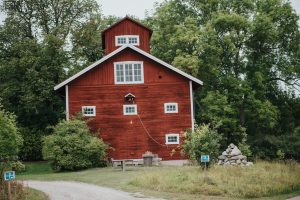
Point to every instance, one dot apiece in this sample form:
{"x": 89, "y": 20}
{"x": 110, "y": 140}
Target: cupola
{"x": 126, "y": 31}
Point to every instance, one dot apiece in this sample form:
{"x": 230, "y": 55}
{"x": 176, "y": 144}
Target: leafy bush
{"x": 18, "y": 166}
{"x": 32, "y": 145}
{"x": 203, "y": 141}
{"x": 72, "y": 146}
{"x": 10, "y": 139}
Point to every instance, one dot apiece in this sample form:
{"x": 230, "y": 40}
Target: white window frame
{"x": 127, "y": 39}
{"x": 171, "y": 104}
{"x": 129, "y": 62}
{"x": 127, "y": 106}
{"x": 172, "y": 135}
{"x": 89, "y": 107}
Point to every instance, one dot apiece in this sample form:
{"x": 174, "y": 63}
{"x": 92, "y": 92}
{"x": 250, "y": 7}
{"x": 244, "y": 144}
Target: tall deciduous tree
{"x": 245, "y": 52}
{"x": 34, "y": 52}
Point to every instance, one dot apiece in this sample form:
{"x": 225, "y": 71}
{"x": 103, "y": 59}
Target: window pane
{"x": 137, "y": 72}
{"x": 171, "y": 108}
{"x": 119, "y": 72}
{"x": 132, "y": 40}
{"x": 121, "y": 40}
{"x": 88, "y": 111}
{"x": 130, "y": 109}
{"x": 172, "y": 138}
{"x": 128, "y": 72}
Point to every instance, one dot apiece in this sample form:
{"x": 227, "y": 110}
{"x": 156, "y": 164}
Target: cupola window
{"x": 127, "y": 39}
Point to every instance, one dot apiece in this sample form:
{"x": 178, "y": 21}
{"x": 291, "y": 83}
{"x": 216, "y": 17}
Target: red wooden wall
{"x": 125, "y": 133}
{"x": 126, "y": 27}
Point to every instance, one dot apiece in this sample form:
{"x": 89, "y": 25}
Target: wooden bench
{"x": 122, "y": 162}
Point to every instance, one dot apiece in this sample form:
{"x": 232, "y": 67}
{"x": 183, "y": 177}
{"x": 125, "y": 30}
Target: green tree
{"x": 34, "y": 54}
{"x": 87, "y": 40}
{"x": 72, "y": 146}
{"x": 245, "y": 52}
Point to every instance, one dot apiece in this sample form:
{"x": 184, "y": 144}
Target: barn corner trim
{"x": 65, "y": 82}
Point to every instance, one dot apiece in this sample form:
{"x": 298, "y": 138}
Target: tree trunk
{"x": 242, "y": 115}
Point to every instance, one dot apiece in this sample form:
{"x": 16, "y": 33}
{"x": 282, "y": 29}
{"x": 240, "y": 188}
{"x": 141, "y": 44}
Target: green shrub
{"x": 203, "y": 141}
{"x": 10, "y": 139}
{"x": 73, "y": 147}
{"x": 32, "y": 145}
{"x": 18, "y": 166}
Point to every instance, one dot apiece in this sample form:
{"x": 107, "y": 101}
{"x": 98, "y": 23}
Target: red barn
{"x": 137, "y": 101}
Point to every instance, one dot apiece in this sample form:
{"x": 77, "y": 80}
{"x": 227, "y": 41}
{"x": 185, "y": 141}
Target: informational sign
{"x": 205, "y": 158}
{"x": 10, "y": 175}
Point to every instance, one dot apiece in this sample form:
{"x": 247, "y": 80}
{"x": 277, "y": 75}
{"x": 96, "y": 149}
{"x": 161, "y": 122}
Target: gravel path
{"x": 62, "y": 190}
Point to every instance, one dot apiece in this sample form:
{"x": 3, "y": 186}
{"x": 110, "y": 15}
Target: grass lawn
{"x": 278, "y": 181}
{"x": 33, "y": 194}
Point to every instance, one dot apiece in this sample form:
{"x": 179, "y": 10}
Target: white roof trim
{"x": 129, "y": 95}
{"x": 119, "y": 50}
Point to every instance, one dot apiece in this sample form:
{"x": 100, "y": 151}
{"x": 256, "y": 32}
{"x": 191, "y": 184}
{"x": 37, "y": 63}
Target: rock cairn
{"x": 233, "y": 156}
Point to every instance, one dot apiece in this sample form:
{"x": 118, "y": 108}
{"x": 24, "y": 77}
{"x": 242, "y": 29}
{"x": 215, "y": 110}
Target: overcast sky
{"x": 137, "y": 8}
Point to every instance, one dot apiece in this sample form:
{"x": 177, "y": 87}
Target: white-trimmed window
{"x": 129, "y": 72}
{"x": 89, "y": 111}
{"x": 127, "y": 39}
{"x": 172, "y": 138}
{"x": 171, "y": 107}
{"x": 130, "y": 109}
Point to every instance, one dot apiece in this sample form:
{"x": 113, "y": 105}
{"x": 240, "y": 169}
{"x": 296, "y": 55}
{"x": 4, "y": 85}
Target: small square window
{"x": 130, "y": 109}
{"x": 172, "y": 138}
{"x": 89, "y": 111}
{"x": 171, "y": 107}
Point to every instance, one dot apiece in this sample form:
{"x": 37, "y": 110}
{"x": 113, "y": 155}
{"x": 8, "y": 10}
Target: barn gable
{"x": 135, "y": 49}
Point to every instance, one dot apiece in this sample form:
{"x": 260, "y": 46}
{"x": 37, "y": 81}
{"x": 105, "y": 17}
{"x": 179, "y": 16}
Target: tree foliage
{"x": 72, "y": 146}
{"x": 10, "y": 138}
{"x": 247, "y": 54}
{"x": 203, "y": 141}
{"x": 34, "y": 55}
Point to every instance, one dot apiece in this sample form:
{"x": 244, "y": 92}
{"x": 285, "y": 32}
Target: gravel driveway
{"x": 63, "y": 190}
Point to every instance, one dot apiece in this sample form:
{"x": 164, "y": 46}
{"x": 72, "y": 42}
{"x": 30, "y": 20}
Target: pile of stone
{"x": 233, "y": 156}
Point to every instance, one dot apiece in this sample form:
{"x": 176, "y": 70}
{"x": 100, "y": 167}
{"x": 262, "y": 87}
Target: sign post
{"x": 9, "y": 176}
{"x": 205, "y": 159}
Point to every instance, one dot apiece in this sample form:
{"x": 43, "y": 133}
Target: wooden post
{"x": 9, "y": 190}
{"x": 123, "y": 165}
{"x": 205, "y": 171}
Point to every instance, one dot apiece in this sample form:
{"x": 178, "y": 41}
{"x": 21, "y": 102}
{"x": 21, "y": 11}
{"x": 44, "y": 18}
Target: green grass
{"x": 263, "y": 179}
{"x": 278, "y": 181}
{"x": 37, "y": 168}
{"x": 33, "y": 194}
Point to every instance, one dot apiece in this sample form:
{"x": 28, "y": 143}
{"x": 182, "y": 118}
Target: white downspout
{"x": 67, "y": 102}
{"x": 192, "y": 105}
